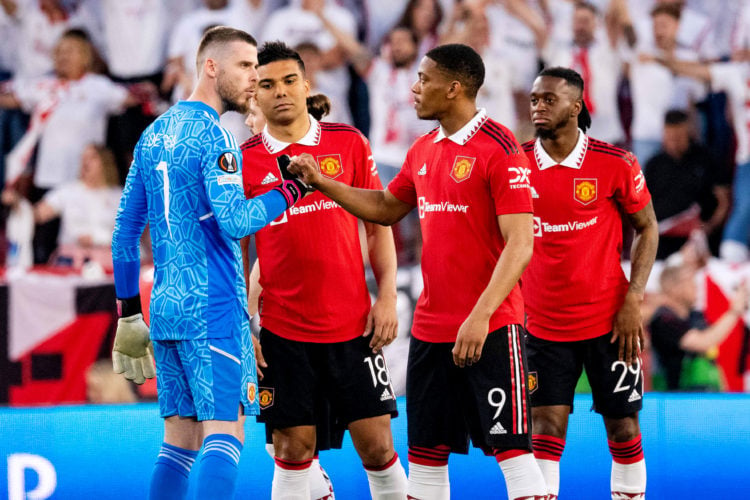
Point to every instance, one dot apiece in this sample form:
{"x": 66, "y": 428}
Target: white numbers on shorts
{"x": 633, "y": 369}
{"x": 378, "y": 370}
{"x": 493, "y": 400}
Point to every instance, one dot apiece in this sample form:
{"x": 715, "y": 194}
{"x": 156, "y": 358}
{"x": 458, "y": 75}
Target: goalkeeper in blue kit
{"x": 186, "y": 183}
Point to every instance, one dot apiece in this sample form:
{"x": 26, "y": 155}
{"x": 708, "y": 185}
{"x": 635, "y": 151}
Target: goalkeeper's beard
{"x": 230, "y": 96}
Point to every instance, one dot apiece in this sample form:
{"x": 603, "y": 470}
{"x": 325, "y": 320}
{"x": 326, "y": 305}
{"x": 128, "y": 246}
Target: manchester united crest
{"x": 265, "y": 397}
{"x": 251, "y": 392}
{"x": 462, "y": 166}
{"x": 330, "y": 165}
{"x": 584, "y": 190}
{"x": 533, "y": 382}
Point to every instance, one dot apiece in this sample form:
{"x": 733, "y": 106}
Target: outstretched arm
{"x": 369, "y": 205}
{"x": 690, "y": 69}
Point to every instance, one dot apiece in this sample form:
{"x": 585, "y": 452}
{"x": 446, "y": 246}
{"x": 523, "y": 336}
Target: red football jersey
{"x": 460, "y": 184}
{"x": 575, "y": 284}
{"x": 311, "y": 267}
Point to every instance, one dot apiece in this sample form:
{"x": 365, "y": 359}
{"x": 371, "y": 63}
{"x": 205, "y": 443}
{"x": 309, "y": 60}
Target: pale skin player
{"x": 195, "y": 409}
{"x": 227, "y": 80}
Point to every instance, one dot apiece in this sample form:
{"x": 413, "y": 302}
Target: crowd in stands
{"x": 667, "y": 79}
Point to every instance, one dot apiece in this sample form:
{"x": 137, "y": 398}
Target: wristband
{"x": 129, "y": 307}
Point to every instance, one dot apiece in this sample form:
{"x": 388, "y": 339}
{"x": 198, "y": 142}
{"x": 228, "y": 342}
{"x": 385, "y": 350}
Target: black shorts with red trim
{"x": 322, "y": 384}
{"x": 555, "y": 367}
{"x": 485, "y": 402}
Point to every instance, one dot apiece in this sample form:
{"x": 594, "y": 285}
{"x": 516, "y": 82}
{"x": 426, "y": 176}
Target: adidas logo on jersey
{"x": 534, "y": 194}
{"x": 498, "y": 429}
{"x": 634, "y": 396}
{"x": 423, "y": 170}
{"x": 269, "y": 178}
{"x": 386, "y": 395}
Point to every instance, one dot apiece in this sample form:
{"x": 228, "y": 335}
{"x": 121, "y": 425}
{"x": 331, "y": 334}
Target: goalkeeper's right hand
{"x": 292, "y": 188}
{"x": 133, "y": 354}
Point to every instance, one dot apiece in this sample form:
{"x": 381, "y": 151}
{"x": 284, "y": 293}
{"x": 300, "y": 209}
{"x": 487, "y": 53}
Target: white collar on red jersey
{"x": 466, "y": 132}
{"x": 311, "y": 138}
{"x": 574, "y": 159}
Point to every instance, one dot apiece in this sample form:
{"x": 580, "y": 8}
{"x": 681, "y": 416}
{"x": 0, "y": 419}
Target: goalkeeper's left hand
{"x": 133, "y": 354}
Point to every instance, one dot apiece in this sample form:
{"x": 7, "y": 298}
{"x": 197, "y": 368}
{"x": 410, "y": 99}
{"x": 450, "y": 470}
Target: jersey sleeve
{"x": 631, "y": 192}
{"x": 510, "y": 184}
{"x": 222, "y": 178}
{"x": 129, "y": 223}
{"x": 365, "y": 171}
{"x": 402, "y": 186}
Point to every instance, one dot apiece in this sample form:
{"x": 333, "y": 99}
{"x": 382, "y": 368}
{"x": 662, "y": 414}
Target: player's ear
{"x": 210, "y": 67}
{"x": 454, "y": 89}
{"x": 307, "y": 88}
{"x": 577, "y": 107}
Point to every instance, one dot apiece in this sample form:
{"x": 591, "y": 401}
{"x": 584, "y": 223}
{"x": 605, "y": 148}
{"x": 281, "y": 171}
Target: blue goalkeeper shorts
{"x": 207, "y": 379}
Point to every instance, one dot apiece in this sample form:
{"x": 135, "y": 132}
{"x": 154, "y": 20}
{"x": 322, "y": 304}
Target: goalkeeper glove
{"x": 292, "y": 188}
{"x": 133, "y": 354}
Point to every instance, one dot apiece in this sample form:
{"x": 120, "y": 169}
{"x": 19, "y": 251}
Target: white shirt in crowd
{"x": 734, "y": 79}
{"x": 294, "y": 25}
{"x": 77, "y": 116}
{"x": 394, "y": 125}
{"x": 85, "y": 211}
{"x": 511, "y": 37}
{"x": 496, "y": 95}
{"x": 37, "y": 38}
{"x": 602, "y": 75}
{"x": 695, "y": 33}
{"x": 9, "y": 47}
{"x": 655, "y": 90}
{"x": 133, "y": 33}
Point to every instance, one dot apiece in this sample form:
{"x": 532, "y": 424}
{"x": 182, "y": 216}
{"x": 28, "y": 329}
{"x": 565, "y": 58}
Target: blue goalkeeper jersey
{"x": 186, "y": 183}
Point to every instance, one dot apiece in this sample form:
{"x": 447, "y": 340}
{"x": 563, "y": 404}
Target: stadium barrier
{"x": 696, "y": 446}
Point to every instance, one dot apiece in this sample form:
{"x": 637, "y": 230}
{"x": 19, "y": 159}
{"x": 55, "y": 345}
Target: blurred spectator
{"x": 423, "y": 17}
{"x": 389, "y": 76}
{"x": 87, "y": 210}
{"x": 40, "y": 24}
{"x": 518, "y": 31}
{"x": 69, "y": 111}
{"x": 731, "y": 77}
{"x": 133, "y": 36}
{"x": 395, "y": 125}
{"x": 593, "y": 52}
{"x": 469, "y": 24}
{"x": 687, "y": 190}
{"x": 13, "y": 122}
{"x": 694, "y": 34}
{"x": 654, "y": 88}
{"x": 104, "y": 386}
{"x": 299, "y": 23}
{"x": 684, "y": 345}
{"x": 313, "y": 58}
{"x": 180, "y": 75}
